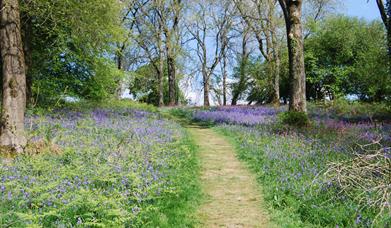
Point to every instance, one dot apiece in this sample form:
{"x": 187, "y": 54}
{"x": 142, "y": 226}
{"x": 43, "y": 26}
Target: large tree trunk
{"x": 171, "y": 75}
{"x": 171, "y": 41}
{"x": 14, "y": 79}
{"x": 292, "y": 12}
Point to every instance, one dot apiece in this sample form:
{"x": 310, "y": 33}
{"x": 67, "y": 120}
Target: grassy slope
{"x": 172, "y": 210}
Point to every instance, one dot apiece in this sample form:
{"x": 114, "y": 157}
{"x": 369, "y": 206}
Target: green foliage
{"x": 292, "y": 118}
{"x": 345, "y": 56}
{"x": 241, "y": 74}
{"x": 182, "y": 113}
{"x": 144, "y": 85}
{"x": 260, "y": 87}
{"x": 352, "y": 111}
{"x": 87, "y": 105}
{"x": 104, "y": 83}
{"x": 69, "y": 42}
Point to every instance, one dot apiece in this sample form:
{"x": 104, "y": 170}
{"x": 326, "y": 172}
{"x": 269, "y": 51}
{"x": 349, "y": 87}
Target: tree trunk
{"x": 224, "y": 79}
{"x": 12, "y": 135}
{"x": 275, "y": 53}
{"x": 119, "y": 61}
{"x": 205, "y": 78}
{"x": 292, "y": 12}
{"x": 27, "y": 33}
{"x": 119, "y": 58}
{"x": 276, "y": 81}
{"x": 160, "y": 72}
{"x": 385, "y": 13}
{"x": 171, "y": 75}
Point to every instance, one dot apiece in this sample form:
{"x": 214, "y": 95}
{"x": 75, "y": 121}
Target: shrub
{"x": 355, "y": 111}
{"x": 291, "y": 118}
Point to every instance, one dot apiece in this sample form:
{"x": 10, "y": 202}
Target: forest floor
{"x": 232, "y": 198}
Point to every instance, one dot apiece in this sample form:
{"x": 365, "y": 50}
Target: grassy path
{"x": 232, "y": 198}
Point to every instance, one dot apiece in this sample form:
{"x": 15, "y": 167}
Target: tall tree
{"x": 14, "y": 77}
{"x": 206, "y": 29}
{"x": 68, "y": 47}
{"x": 225, "y": 45}
{"x": 292, "y": 10}
{"x": 385, "y": 13}
{"x": 150, "y": 39}
{"x": 261, "y": 17}
{"x": 170, "y": 16}
{"x": 224, "y": 75}
{"x": 128, "y": 21}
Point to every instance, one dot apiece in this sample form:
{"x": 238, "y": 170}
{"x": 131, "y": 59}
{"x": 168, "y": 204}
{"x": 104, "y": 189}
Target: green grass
{"x": 184, "y": 116}
{"x": 178, "y": 210}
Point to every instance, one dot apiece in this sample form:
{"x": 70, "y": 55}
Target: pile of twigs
{"x": 366, "y": 178}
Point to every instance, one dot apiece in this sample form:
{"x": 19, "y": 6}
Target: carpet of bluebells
{"x": 290, "y": 162}
{"x": 248, "y": 116}
{"x": 101, "y": 167}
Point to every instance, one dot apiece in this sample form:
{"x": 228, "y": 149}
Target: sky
{"x": 361, "y": 8}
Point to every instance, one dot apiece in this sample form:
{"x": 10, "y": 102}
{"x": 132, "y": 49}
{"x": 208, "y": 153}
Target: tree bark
{"x": 292, "y": 13}
{"x": 276, "y": 62}
{"x": 27, "y": 34}
{"x": 205, "y": 74}
{"x": 385, "y": 13}
{"x": 276, "y": 81}
{"x": 12, "y": 135}
{"x": 224, "y": 79}
{"x": 206, "y": 89}
{"x": 171, "y": 75}
{"x": 161, "y": 70}
{"x": 171, "y": 41}
{"x": 119, "y": 58}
